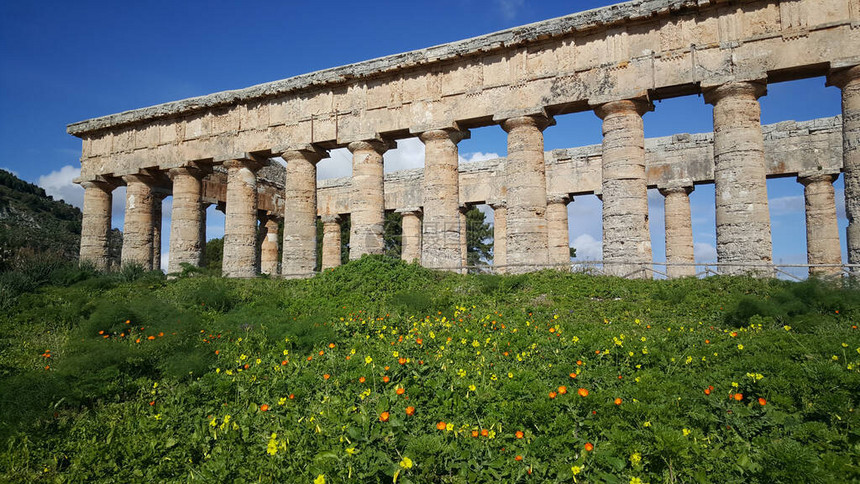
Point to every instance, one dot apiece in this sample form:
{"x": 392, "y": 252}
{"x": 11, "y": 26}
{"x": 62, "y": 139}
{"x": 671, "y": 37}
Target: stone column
{"x": 411, "y": 239}
{"x": 626, "y": 238}
{"x": 137, "y": 231}
{"x": 300, "y": 212}
{"x": 240, "y": 228}
{"x": 441, "y": 189}
{"x": 331, "y": 241}
{"x": 157, "y": 220}
{"x": 464, "y": 238}
{"x": 367, "y": 201}
{"x": 95, "y": 224}
{"x": 202, "y": 237}
{"x": 500, "y": 237}
{"x": 849, "y": 81}
{"x": 822, "y": 231}
{"x": 186, "y": 220}
{"x": 557, "y": 232}
{"x": 679, "y": 229}
{"x": 526, "y": 193}
{"x": 743, "y": 218}
{"x": 269, "y": 246}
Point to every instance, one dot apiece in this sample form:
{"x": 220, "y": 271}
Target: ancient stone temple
{"x": 614, "y": 61}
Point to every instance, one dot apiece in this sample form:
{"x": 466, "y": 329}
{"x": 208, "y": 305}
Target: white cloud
{"x": 10, "y": 171}
{"x": 59, "y": 185}
{"x": 409, "y": 154}
{"x": 478, "y": 156}
{"x": 704, "y": 252}
{"x": 786, "y": 205}
{"x": 338, "y": 164}
{"x": 588, "y": 248}
{"x": 509, "y": 8}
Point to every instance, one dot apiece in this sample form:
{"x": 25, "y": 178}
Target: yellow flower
{"x": 787, "y": 328}
{"x": 686, "y": 432}
{"x": 368, "y": 360}
{"x": 471, "y": 388}
{"x": 576, "y": 470}
{"x": 647, "y": 424}
{"x": 635, "y": 480}
{"x": 320, "y": 479}
{"x": 510, "y": 375}
{"x": 635, "y": 458}
{"x": 282, "y": 400}
{"x": 406, "y": 463}
{"x": 350, "y": 450}
{"x": 449, "y": 427}
{"x": 740, "y": 347}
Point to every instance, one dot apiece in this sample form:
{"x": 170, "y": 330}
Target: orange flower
{"x": 440, "y": 426}
{"x": 485, "y": 432}
{"x": 707, "y": 391}
{"x": 331, "y": 345}
{"x": 137, "y": 340}
{"x": 589, "y": 446}
{"x": 596, "y": 352}
{"x": 518, "y": 458}
{"x": 106, "y": 336}
{"x": 474, "y": 433}
{"x": 562, "y": 390}
{"x": 400, "y": 391}
{"x": 247, "y": 366}
{"x": 383, "y": 417}
{"x": 326, "y": 376}
{"x": 362, "y": 379}
{"x": 160, "y": 334}
{"x": 387, "y": 367}
{"x": 618, "y": 401}
{"x": 321, "y": 352}
{"x": 217, "y": 352}
{"x": 150, "y": 338}
{"x": 762, "y": 401}
{"x": 419, "y": 341}
{"x": 310, "y": 358}
{"x": 582, "y": 392}
{"x": 101, "y": 332}
{"x": 410, "y": 411}
{"x": 573, "y": 374}
{"x": 739, "y": 396}
{"x": 292, "y": 396}
{"x": 283, "y": 363}
{"x": 264, "y": 408}
{"x": 519, "y": 434}
{"x": 552, "y": 395}
{"x": 402, "y": 361}
{"x": 385, "y": 379}
{"x": 152, "y": 403}
{"x": 579, "y": 362}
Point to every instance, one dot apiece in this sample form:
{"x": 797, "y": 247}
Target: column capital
{"x": 558, "y": 198}
{"x": 329, "y": 218}
{"x": 138, "y": 178}
{"x": 809, "y": 178}
{"x": 378, "y": 145}
{"x": 307, "y": 152}
{"x": 497, "y": 204}
{"x": 251, "y": 164}
{"x": 194, "y": 171}
{"x": 100, "y": 184}
{"x": 840, "y": 77}
{"x": 639, "y": 105}
{"x": 754, "y": 89}
{"x": 410, "y": 211}
{"x": 453, "y": 134}
{"x": 684, "y": 185}
{"x": 539, "y": 121}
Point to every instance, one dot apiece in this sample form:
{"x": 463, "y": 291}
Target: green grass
{"x": 473, "y": 352}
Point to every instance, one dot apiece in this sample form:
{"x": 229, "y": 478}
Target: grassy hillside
{"x": 380, "y": 371}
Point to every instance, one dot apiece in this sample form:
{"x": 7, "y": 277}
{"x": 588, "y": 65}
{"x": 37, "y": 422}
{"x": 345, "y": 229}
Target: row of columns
{"x": 530, "y": 229}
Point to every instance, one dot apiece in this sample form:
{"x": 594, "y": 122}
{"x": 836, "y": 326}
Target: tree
{"x": 393, "y": 235}
{"x": 213, "y": 254}
{"x": 572, "y": 252}
{"x": 479, "y": 233}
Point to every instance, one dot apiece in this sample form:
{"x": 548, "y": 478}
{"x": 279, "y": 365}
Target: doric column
{"x": 269, "y": 245}
{"x": 500, "y": 237}
{"x": 526, "y": 193}
{"x": 464, "y": 238}
{"x": 157, "y": 219}
{"x": 849, "y": 81}
{"x": 743, "y": 219}
{"x": 240, "y": 228}
{"x": 186, "y": 220}
{"x": 822, "y": 231}
{"x": 331, "y": 241}
{"x": 441, "y": 189}
{"x": 557, "y": 232}
{"x": 679, "y": 229}
{"x": 367, "y": 201}
{"x": 96, "y": 223}
{"x": 626, "y": 238}
{"x": 411, "y": 238}
{"x": 300, "y": 212}
{"x": 202, "y": 237}
{"x": 137, "y": 230}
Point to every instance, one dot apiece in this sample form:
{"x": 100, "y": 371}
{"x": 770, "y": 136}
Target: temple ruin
{"x": 615, "y": 61}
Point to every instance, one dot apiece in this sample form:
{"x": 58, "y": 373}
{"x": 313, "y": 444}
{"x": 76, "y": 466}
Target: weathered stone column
{"x": 331, "y": 241}
{"x": 300, "y": 212}
{"x": 157, "y": 221}
{"x": 96, "y": 223}
{"x": 240, "y": 228}
{"x": 269, "y": 246}
{"x": 743, "y": 219}
{"x": 557, "y": 232}
{"x": 500, "y": 237}
{"x": 679, "y": 229}
{"x": 137, "y": 231}
{"x": 367, "y": 201}
{"x": 526, "y": 194}
{"x": 441, "y": 232}
{"x": 822, "y": 231}
{"x": 203, "y": 207}
{"x": 186, "y": 220}
{"x": 849, "y": 81}
{"x": 626, "y": 238}
{"x": 411, "y": 238}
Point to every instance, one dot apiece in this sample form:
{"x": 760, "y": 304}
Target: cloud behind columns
{"x": 58, "y": 184}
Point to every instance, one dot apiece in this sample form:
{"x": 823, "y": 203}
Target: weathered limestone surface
{"x": 525, "y": 178}
{"x": 157, "y": 220}
{"x": 240, "y": 227}
{"x": 367, "y": 202}
{"x": 96, "y": 223}
{"x": 300, "y": 213}
{"x": 441, "y": 230}
{"x": 331, "y": 241}
{"x": 464, "y": 240}
{"x": 557, "y": 232}
{"x": 137, "y": 233}
{"x": 269, "y": 247}
{"x": 743, "y": 219}
{"x": 849, "y": 81}
{"x": 679, "y": 229}
{"x": 822, "y": 231}
{"x": 411, "y": 240}
{"x": 625, "y": 194}
{"x": 187, "y": 220}
{"x": 500, "y": 236}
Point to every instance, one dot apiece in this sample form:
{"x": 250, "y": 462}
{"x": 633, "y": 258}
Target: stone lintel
{"x": 497, "y": 203}
{"x": 841, "y": 74}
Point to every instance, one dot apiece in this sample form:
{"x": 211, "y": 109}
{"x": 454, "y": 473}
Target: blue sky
{"x": 62, "y": 62}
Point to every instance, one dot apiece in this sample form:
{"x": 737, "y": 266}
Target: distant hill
{"x": 33, "y": 223}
